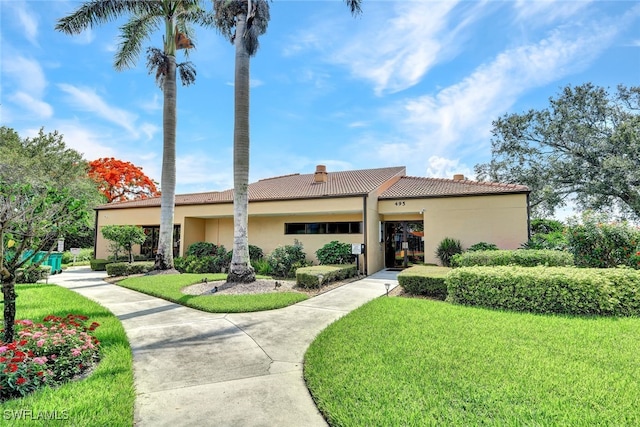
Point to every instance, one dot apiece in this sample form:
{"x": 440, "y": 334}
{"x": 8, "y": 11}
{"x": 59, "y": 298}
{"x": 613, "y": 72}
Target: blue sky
{"x": 406, "y": 83}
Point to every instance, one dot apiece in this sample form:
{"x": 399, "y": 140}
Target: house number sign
{"x": 400, "y": 203}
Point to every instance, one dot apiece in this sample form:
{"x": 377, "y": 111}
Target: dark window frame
{"x": 323, "y": 227}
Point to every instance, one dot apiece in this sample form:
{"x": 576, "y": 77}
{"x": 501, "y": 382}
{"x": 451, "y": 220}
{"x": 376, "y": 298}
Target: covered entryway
{"x": 403, "y": 243}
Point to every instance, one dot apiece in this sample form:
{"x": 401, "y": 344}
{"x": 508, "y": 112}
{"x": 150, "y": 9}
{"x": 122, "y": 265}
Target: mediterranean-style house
{"x": 392, "y": 219}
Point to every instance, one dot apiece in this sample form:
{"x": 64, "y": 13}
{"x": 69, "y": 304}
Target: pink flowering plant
{"x": 46, "y": 354}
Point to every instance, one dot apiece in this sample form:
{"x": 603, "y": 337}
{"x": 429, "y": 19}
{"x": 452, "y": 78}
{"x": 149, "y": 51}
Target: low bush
{"x": 285, "y": 260}
{"x": 423, "y": 280}
{"x": 261, "y": 267}
{"x": 255, "y": 253}
{"x": 32, "y": 274}
{"x": 99, "y": 264}
{"x": 201, "y": 249}
{"x": 562, "y": 290}
{"x": 85, "y": 255}
{"x": 319, "y": 275}
{"x": 482, "y": 246}
{"x": 126, "y": 269}
{"x": 601, "y": 244}
{"x": 522, "y": 257}
{"x": 335, "y": 253}
{"x": 446, "y": 249}
{"x": 217, "y": 263}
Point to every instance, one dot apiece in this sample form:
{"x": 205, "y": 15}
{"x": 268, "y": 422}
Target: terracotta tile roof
{"x": 417, "y": 187}
{"x": 287, "y": 187}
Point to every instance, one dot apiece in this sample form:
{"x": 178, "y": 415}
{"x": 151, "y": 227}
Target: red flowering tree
{"x": 120, "y": 181}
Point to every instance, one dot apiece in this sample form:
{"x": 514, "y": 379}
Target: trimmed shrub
{"x": 482, "y": 246}
{"x": 521, "y": 257}
{"x": 335, "y": 253}
{"x": 99, "y": 264}
{"x": 447, "y": 248}
{"x": 85, "y": 255}
{"x": 125, "y": 268}
{"x": 423, "y": 280}
{"x": 560, "y": 290}
{"x": 201, "y": 249}
{"x": 319, "y": 275}
{"x": 285, "y": 260}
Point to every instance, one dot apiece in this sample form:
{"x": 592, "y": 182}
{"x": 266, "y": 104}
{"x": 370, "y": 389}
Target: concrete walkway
{"x": 196, "y": 368}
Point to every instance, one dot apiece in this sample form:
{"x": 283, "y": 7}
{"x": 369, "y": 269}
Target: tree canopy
{"x": 584, "y": 147}
{"x": 45, "y": 193}
{"x": 119, "y": 181}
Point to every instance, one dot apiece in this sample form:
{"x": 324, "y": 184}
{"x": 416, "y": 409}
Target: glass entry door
{"x": 404, "y": 243}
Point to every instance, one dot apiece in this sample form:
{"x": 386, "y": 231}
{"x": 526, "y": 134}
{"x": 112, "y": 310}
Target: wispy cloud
{"x": 23, "y": 85}
{"x": 87, "y": 99}
{"x": 544, "y": 12}
{"x": 26, "y": 19}
{"x": 457, "y": 119}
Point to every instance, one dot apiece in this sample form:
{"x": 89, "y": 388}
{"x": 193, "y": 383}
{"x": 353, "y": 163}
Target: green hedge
{"x": 522, "y": 257}
{"x": 424, "y": 280}
{"x": 310, "y": 277}
{"x": 126, "y": 269}
{"x": 562, "y": 290}
{"x": 32, "y": 274}
{"x": 99, "y": 264}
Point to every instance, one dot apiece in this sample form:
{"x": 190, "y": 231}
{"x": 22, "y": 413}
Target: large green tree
{"x": 176, "y": 18}
{"x": 584, "y": 147}
{"x": 45, "y": 193}
{"x": 242, "y": 22}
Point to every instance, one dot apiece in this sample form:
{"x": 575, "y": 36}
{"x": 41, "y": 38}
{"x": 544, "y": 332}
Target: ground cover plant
{"x": 106, "y": 396}
{"x": 169, "y": 287}
{"x": 403, "y": 361}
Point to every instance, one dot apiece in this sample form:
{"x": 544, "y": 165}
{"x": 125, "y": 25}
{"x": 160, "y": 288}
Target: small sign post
{"x": 75, "y": 252}
{"x": 356, "y": 249}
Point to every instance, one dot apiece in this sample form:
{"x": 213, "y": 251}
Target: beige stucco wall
{"x": 498, "y": 219}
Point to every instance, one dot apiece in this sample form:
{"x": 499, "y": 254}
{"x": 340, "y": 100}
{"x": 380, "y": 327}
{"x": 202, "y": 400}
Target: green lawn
{"x": 106, "y": 397}
{"x": 169, "y": 287}
{"x": 415, "y": 362}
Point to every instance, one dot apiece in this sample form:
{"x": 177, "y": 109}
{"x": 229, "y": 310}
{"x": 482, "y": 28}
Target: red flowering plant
{"x": 46, "y": 354}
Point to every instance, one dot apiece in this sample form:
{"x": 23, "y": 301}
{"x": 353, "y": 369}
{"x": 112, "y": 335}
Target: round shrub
{"x": 447, "y": 248}
{"x": 284, "y": 260}
{"x": 335, "y": 253}
{"x": 200, "y": 249}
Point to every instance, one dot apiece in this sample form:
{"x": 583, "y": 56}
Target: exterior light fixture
{"x": 387, "y": 285}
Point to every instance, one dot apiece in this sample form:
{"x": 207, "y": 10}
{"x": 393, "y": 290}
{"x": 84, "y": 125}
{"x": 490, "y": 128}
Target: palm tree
{"x": 242, "y": 22}
{"x": 177, "y": 17}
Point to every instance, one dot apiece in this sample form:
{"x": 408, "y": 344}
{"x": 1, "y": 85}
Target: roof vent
{"x": 321, "y": 174}
{"x": 458, "y": 177}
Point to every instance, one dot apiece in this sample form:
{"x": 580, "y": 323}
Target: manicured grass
{"x": 399, "y": 361}
{"x": 107, "y": 396}
{"x": 169, "y": 286}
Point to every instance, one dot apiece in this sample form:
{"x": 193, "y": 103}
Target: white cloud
{"x": 542, "y": 12}
{"x": 396, "y": 56}
{"x": 27, "y": 102}
{"x": 27, "y": 20}
{"x": 91, "y": 143}
{"x": 441, "y": 167}
{"x": 87, "y": 99}
{"x": 25, "y": 74}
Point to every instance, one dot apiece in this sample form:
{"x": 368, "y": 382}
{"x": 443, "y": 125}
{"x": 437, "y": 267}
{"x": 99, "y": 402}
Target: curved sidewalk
{"x": 244, "y": 369}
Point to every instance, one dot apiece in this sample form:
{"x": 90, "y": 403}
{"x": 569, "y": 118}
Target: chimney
{"x": 321, "y": 174}
{"x": 458, "y": 177}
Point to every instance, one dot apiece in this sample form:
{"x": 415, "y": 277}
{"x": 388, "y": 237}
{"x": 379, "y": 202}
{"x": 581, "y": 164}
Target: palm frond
{"x": 354, "y": 5}
{"x": 226, "y": 13}
{"x": 94, "y": 12}
{"x": 133, "y": 33}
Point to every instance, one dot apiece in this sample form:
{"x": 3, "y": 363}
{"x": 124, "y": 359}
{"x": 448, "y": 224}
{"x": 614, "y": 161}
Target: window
{"x": 323, "y": 228}
{"x": 150, "y": 246}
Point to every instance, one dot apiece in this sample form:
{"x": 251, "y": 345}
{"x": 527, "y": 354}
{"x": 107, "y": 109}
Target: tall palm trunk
{"x": 241, "y": 269}
{"x": 164, "y": 256}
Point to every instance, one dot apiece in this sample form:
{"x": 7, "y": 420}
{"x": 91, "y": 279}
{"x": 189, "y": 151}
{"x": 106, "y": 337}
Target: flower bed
{"x": 46, "y": 354}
